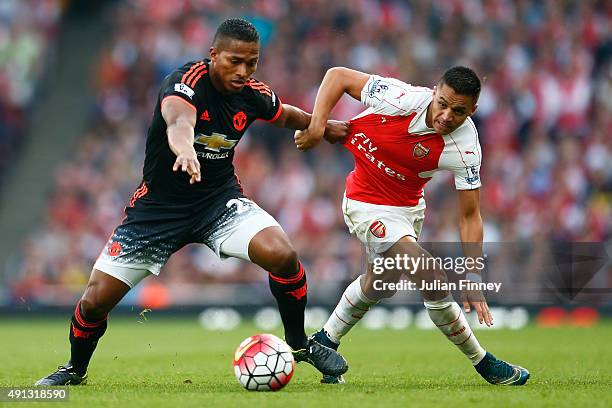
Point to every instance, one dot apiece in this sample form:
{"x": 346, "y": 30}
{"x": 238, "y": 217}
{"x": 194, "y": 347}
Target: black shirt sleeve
{"x": 181, "y": 83}
{"x": 269, "y": 105}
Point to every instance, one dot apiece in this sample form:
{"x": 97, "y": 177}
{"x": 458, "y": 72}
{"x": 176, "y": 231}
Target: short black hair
{"x": 236, "y": 29}
{"x": 463, "y": 80}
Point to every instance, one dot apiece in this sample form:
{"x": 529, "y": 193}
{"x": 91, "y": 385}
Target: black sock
{"x": 84, "y": 336}
{"x": 291, "y": 296}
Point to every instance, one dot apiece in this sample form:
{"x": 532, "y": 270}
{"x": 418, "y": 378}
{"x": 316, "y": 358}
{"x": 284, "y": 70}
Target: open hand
{"x": 188, "y": 163}
{"x": 476, "y": 299}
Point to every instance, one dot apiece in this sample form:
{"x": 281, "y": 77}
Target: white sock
{"x": 452, "y": 322}
{"x": 353, "y": 305}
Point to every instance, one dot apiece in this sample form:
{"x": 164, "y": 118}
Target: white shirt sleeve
{"x": 390, "y": 96}
{"x": 466, "y": 165}
{"x": 467, "y": 177}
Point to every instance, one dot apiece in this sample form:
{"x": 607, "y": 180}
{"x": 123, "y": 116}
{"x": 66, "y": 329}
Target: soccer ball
{"x": 263, "y": 363}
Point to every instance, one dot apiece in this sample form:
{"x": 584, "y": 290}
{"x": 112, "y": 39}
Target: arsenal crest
{"x": 378, "y": 229}
{"x": 420, "y": 151}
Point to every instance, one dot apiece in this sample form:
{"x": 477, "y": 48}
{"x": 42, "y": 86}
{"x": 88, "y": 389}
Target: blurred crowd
{"x": 544, "y": 120}
{"x": 28, "y": 30}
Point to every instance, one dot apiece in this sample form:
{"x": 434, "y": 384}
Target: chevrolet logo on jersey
{"x": 215, "y": 142}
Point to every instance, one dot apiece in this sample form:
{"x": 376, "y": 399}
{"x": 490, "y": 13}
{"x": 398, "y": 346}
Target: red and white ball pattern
{"x": 263, "y": 363}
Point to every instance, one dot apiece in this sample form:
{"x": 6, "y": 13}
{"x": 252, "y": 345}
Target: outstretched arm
{"x": 470, "y": 221}
{"x": 471, "y": 232}
{"x": 336, "y": 82}
{"x": 180, "y": 117}
{"x": 292, "y": 117}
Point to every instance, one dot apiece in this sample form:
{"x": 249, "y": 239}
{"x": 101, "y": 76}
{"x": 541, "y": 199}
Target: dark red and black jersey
{"x": 221, "y": 122}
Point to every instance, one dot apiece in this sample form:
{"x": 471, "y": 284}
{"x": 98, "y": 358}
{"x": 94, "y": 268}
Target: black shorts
{"x": 153, "y": 230}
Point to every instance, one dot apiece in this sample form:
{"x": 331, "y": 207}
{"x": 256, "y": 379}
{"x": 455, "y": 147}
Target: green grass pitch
{"x": 164, "y": 362}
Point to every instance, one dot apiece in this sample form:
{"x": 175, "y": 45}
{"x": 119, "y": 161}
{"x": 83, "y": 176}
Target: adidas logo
{"x": 205, "y": 116}
{"x": 300, "y": 292}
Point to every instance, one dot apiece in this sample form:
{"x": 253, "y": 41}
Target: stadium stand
{"x": 28, "y": 30}
{"x": 544, "y": 118}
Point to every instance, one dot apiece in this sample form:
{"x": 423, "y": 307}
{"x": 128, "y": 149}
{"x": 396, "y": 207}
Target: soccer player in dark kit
{"x": 190, "y": 194}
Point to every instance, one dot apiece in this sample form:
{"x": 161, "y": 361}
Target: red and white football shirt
{"x": 395, "y": 152}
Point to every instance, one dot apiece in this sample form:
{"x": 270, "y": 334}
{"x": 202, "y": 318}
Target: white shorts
{"x": 229, "y": 236}
{"x": 378, "y": 227}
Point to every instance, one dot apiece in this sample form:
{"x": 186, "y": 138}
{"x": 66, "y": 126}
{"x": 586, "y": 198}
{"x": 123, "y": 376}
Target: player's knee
{"x": 95, "y": 303}
{"x": 378, "y": 294}
{"x": 283, "y": 261}
{"x": 439, "y": 275}
{"x": 272, "y": 250}
{"x": 93, "y": 309}
{"x": 432, "y": 285}
{"x": 376, "y": 287}
{"x": 436, "y": 296}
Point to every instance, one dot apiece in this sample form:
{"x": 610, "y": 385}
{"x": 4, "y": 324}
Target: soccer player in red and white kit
{"x": 406, "y": 134}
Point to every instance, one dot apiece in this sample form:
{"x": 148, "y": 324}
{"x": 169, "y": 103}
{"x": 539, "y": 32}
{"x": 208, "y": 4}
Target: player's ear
{"x": 474, "y": 109}
{"x": 213, "y": 53}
